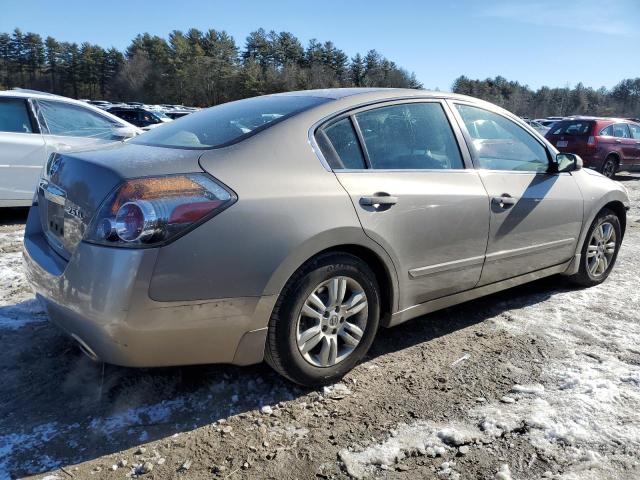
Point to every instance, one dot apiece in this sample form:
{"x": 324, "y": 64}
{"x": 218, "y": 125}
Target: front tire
{"x": 600, "y": 250}
{"x": 324, "y": 320}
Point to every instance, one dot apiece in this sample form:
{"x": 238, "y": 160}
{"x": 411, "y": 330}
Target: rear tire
{"x": 324, "y": 320}
{"x": 600, "y": 250}
{"x": 609, "y": 166}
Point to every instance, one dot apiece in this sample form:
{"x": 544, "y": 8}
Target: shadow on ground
{"x": 58, "y": 408}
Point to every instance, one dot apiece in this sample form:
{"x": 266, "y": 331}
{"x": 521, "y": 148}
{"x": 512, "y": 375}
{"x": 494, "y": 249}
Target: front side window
{"x": 635, "y": 131}
{"x": 409, "y": 136}
{"x": 228, "y": 123}
{"x": 621, "y": 130}
{"x": 70, "y": 120}
{"x": 340, "y": 146}
{"x": 501, "y": 144}
{"x": 14, "y": 116}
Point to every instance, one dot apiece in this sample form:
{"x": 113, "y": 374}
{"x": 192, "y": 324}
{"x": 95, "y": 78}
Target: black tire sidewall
{"x": 297, "y": 368}
{"x": 607, "y": 161}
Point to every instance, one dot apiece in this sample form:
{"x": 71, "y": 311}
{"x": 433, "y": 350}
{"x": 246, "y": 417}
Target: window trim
{"x": 353, "y": 111}
{"x": 527, "y": 129}
{"x": 35, "y": 127}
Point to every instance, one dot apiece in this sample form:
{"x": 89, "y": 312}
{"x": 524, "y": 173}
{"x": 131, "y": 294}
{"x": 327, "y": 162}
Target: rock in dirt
{"x": 144, "y": 468}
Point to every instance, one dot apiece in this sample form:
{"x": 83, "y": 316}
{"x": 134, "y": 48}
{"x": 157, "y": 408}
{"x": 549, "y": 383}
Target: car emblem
{"x": 74, "y": 211}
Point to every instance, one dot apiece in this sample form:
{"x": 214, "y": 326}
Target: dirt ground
{"x": 541, "y": 381}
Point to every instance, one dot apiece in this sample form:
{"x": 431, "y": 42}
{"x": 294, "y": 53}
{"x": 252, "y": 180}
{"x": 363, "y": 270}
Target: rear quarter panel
{"x": 289, "y": 208}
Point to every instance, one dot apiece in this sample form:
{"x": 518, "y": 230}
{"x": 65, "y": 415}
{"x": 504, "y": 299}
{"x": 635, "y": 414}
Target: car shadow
{"x": 58, "y": 408}
{"x": 13, "y": 216}
{"x": 626, "y": 178}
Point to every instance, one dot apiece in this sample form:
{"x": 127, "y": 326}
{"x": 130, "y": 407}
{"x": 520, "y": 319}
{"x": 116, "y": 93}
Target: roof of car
{"x": 339, "y": 93}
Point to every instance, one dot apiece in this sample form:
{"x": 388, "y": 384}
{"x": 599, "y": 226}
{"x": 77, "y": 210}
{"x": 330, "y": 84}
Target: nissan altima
{"x": 291, "y": 227}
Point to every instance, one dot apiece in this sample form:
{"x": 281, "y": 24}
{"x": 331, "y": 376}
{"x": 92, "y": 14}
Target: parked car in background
{"x": 141, "y": 117}
{"x": 545, "y": 122}
{"x": 174, "y": 114}
{"x": 35, "y": 124}
{"x": 607, "y": 145}
{"x": 103, "y": 104}
{"x": 537, "y": 126}
{"x": 290, "y": 227}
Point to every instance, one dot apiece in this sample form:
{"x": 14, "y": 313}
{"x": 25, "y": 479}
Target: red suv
{"x": 608, "y": 145}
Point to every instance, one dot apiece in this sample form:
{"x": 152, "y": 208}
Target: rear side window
{"x": 228, "y": 123}
{"x": 70, "y": 120}
{"x": 572, "y": 127}
{"x": 14, "y": 116}
{"x": 340, "y": 146}
{"x": 409, "y": 136}
{"x": 621, "y": 130}
{"x": 635, "y": 131}
{"x": 607, "y": 132}
{"x": 501, "y": 144}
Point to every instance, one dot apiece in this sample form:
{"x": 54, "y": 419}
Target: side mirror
{"x": 124, "y": 133}
{"x": 566, "y": 162}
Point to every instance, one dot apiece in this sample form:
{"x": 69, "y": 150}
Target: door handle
{"x": 378, "y": 199}
{"x": 618, "y": 140}
{"x": 505, "y": 201}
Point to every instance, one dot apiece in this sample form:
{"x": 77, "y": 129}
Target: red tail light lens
{"x": 592, "y": 142}
{"x": 151, "y": 211}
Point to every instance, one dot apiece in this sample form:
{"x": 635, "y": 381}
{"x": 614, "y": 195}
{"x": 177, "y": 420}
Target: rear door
{"x": 635, "y": 135}
{"x": 414, "y": 194}
{"x": 22, "y": 152}
{"x": 626, "y": 144}
{"x": 536, "y": 217}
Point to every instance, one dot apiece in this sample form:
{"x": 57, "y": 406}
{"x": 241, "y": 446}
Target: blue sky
{"x": 537, "y": 42}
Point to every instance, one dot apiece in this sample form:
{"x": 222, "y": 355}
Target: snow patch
{"x": 424, "y": 438}
{"x": 17, "y": 305}
{"x": 504, "y": 473}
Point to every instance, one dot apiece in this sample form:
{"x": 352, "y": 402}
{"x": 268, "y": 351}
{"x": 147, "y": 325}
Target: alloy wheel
{"x": 332, "y": 321}
{"x": 602, "y": 247}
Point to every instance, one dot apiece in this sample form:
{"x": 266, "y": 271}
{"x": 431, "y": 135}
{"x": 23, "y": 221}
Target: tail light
{"x": 151, "y": 211}
{"x": 592, "y": 142}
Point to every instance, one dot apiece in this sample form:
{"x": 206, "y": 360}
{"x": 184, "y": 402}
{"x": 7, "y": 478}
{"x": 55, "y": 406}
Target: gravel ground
{"x": 541, "y": 381}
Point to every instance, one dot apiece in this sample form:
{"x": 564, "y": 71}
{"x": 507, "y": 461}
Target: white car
{"x": 33, "y": 125}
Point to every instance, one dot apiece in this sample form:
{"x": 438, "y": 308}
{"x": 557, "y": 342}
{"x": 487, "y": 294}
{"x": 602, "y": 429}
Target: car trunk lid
{"x": 74, "y": 185}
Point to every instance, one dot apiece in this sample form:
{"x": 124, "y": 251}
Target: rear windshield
{"x": 572, "y": 127}
{"x": 228, "y": 123}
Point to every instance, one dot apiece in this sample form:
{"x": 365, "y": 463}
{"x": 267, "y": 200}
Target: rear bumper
{"x": 100, "y": 297}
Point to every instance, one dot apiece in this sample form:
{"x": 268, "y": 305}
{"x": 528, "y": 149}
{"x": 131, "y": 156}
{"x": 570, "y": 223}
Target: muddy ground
{"x": 541, "y": 381}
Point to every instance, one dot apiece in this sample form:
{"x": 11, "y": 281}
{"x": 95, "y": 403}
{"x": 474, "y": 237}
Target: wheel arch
{"x": 384, "y": 277}
{"x": 619, "y": 209}
{"x": 354, "y": 242}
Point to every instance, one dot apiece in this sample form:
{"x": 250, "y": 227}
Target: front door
{"x": 536, "y": 217}
{"x": 405, "y": 173}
